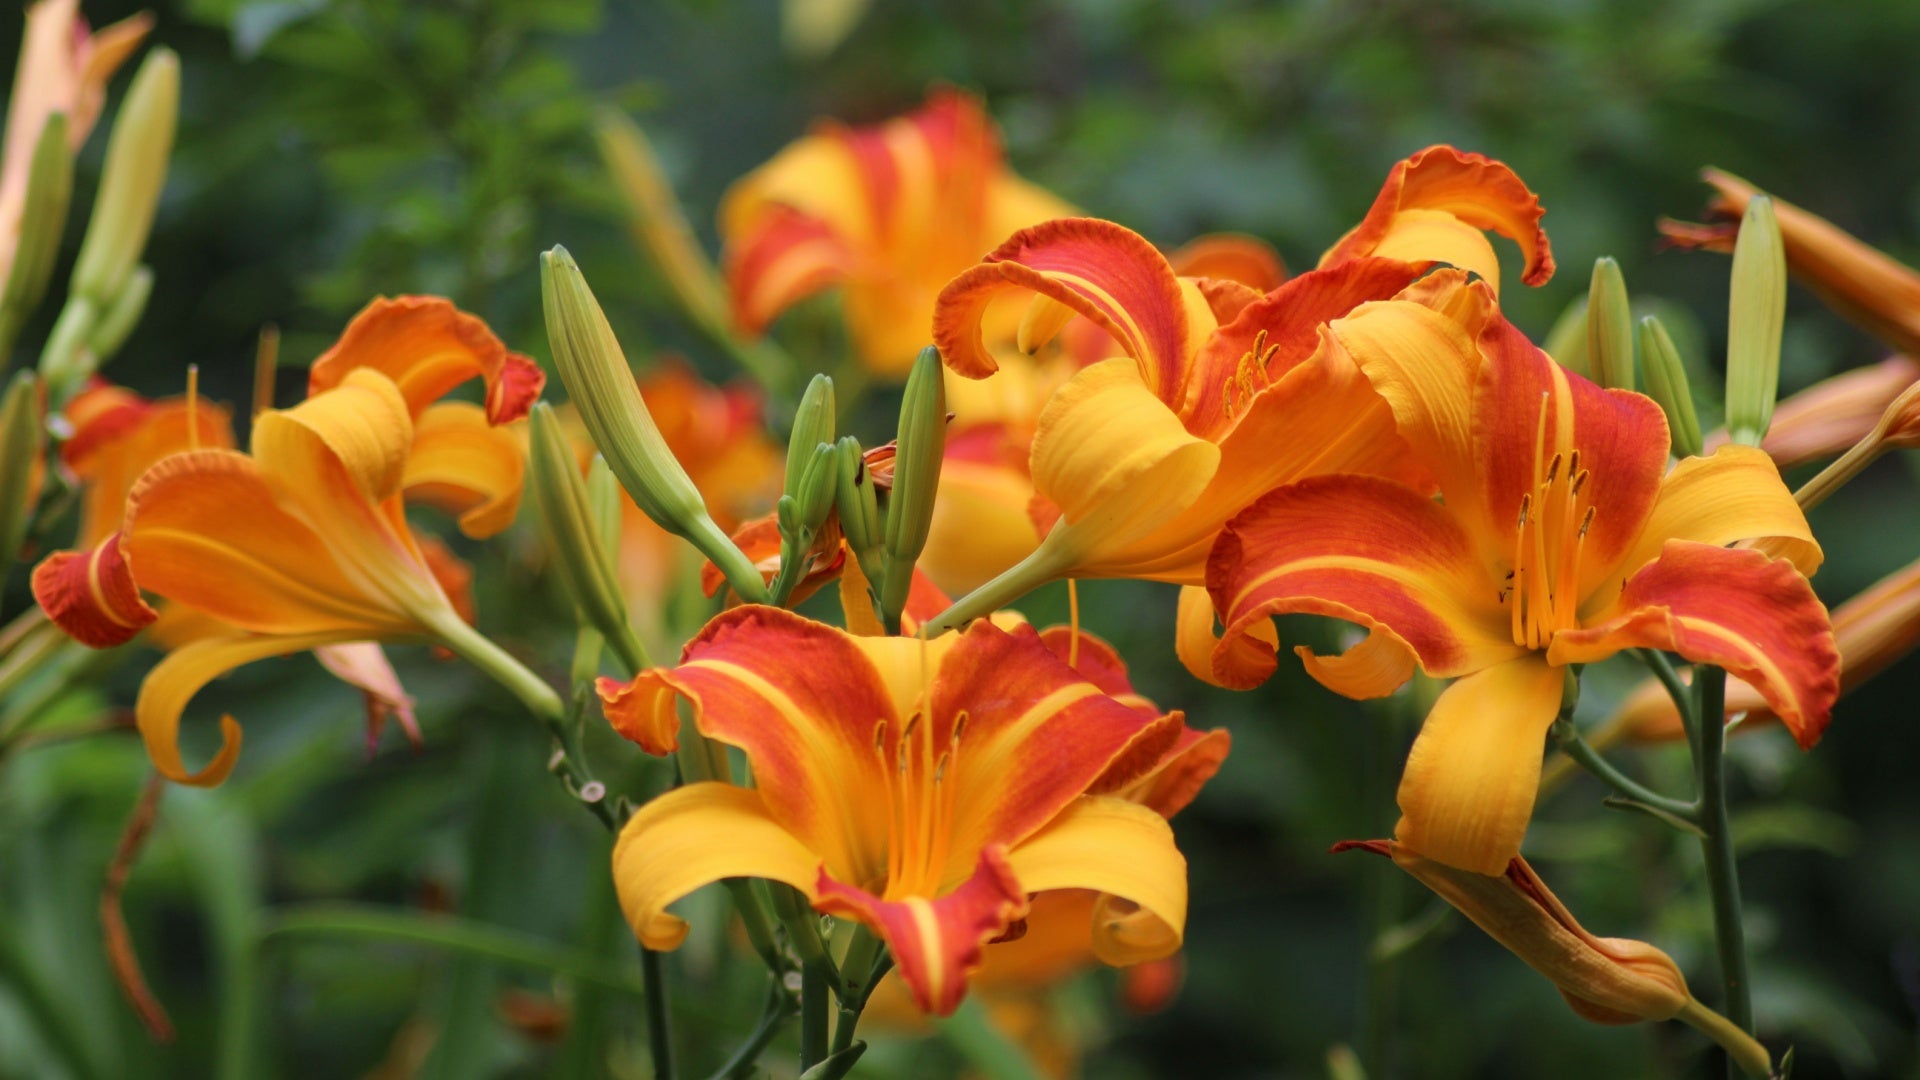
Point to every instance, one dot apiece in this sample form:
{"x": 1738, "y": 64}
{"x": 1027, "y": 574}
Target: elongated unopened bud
{"x": 1567, "y": 341}
{"x": 118, "y": 319}
{"x": 595, "y": 372}
{"x": 572, "y": 533}
{"x": 49, "y": 191}
{"x": 916, "y": 479}
{"x": 1609, "y": 327}
{"x": 1756, "y": 312}
{"x": 1667, "y": 384}
{"x": 21, "y": 441}
{"x": 819, "y": 482}
{"x": 859, "y": 507}
{"x": 812, "y": 425}
{"x": 130, "y": 183}
{"x": 659, "y": 225}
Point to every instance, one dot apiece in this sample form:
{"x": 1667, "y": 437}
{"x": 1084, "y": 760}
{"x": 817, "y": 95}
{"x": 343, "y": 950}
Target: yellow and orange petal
{"x": 427, "y": 347}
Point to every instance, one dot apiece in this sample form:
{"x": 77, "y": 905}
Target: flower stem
{"x": 814, "y": 989}
{"x": 659, "y": 1029}
{"x": 1576, "y": 748}
{"x": 778, "y": 1010}
{"x": 480, "y": 651}
{"x": 1723, "y": 875}
{"x": 1743, "y": 1050}
{"x": 864, "y": 965}
{"x": 1021, "y": 578}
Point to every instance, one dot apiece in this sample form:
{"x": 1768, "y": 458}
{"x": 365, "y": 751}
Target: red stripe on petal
{"x": 936, "y": 942}
{"x": 92, "y": 595}
{"x": 787, "y": 257}
{"x": 1732, "y": 607}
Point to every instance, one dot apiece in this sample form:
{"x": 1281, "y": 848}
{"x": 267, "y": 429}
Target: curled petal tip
{"x": 92, "y": 595}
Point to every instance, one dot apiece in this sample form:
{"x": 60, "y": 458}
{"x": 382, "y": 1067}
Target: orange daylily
{"x": 64, "y": 68}
{"x": 1561, "y": 539}
{"x": 427, "y": 347}
{"x": 1866, "y": 286}
{"x": 302, "y": 543}
{"x": 1222, "y": 394}
{"x": 888, "y": 213}
{"x": 926, "y": 788}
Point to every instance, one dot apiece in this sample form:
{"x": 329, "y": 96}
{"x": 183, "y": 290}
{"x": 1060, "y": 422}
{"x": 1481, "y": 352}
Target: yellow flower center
{"x": 1543, "y": 589}
{"x": 919, "y": 799}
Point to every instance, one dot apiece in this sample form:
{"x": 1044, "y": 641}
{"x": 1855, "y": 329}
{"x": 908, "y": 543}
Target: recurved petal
{"x": 1366, "y": 550}
{"x": 1731, "y": 607}
{"x": 1101, "y": 270}
{"x": 1433, "y": 206}
{"x": 643, "y": 709}
{"x": 179, "y": 676}
{"x": 1124, "y": 851}
{"x": 360, "y": 428}
{"x": 936, "y": 941}
{"x": 92, "y": 595}
{"x": 206, "y": 529}
{"x": 1115, "y": 460}
{"x": 428, "y": 347}
{"x": 467, "y": 466}
{"x": 1471, "y": 778}
{"x": 694, "y": 836}
{"x": 1733, "y": 494}
{"x": 1243, "y": 662}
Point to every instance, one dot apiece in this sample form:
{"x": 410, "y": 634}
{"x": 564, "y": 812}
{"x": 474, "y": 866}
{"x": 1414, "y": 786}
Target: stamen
{"x": 1553, "y": 468}
{"x": 193, "y": 406}
{"x": 1580, "y": 481}
{"x": 266, "y": 361}
{"x": 1073, "y": 620}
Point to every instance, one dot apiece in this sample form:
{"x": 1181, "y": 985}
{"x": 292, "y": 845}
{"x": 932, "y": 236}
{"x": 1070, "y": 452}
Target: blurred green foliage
{"x": 332, "y": 151}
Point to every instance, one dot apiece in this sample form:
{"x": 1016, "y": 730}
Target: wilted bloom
{"x": 1221, "y": 395}
{"x": 888, "y": 213}
{"x": 1870, "y": 289}
{"x": 64, "y": 69}
{"x": 926, "y": 788}
{"x": 300, "y": 544}
{"x": 1561, "y": 538}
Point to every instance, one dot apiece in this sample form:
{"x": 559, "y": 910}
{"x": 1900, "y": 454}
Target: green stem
{"x": 29, "y": 658}
{"x": 733, "y": 563}
{"x": 480, "y": 651}
{"x": 1589, "y": 759}
{"x": 814, "y": 990}
{"x": 1723, "y": 875}
{"x": 864, "y": 965}
{"x": 1677, "y": 689}
{"x": 659, "y": 1024}
{"x": 778, "y": 1010}
{"x": 1044, "y": 565}
{"x": 447, "y": 932}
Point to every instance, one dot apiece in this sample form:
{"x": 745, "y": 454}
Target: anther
{"x": 1553, "y": 469}
{"x": 1580, "y": 480}
{"x": 1526, "y": 503}
{"x": 1587, "y": 521}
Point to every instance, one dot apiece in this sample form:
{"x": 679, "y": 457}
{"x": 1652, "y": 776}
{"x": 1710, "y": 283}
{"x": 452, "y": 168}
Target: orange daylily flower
{"x": 1561, "y": 539}
{"x": 427, "y": 347}
{"x": 925, "y": 788}
{"x": 1221, "y": 396}
{"x": 301, "y": 544}
{"x": 64, "y": 68}
{"x": 1867, "y": 287}
{"x": 888, "y": 213}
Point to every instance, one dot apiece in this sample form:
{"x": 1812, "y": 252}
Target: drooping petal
{"x": 1733, "y": 494}
{"x": 364, "y": 666}
{"x": 428, "y": 347}
{"x": 1470, "y": 780}
{"x": 1124, "y": 851}
{"x": 1101, "y": 270}
{"x": 1368, "y": 551}
{"x": 1731, "y": 607}
{"x": 1434, "y": 205}
{"x": 1245, "y": 661}
{"x": 1115, "y": 460}
{"x": 179, "y": 676}
{"x": 91, "y": 594}
{"x": 207, "y": 530}
{"x": 693, "y": 836}
{"x": 467, "y": 466}
{"x": 936, "y": 941}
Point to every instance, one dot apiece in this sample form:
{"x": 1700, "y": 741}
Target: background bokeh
{"x": 332, "y": 150}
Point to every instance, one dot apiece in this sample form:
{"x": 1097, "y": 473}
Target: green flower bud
{"x": 117, "y": 321}
{"x": 1567, "y": 341}
{"x": 595, "y": 372}
{"x": 1609, "y": 327}
{"x": 818, "y": 483}
{"x": 130, "y": 184}
{"x": 21, "y": 441}
{"x": 812, "y": 425}
{"x": 1667, "y": 384}
{"x": 42, "y": 220}
{"x": 859, "y": 507}
{"x": 569, "y": 526}
{"x": 916, "y": 479}
{"x": 1756, "y": 311}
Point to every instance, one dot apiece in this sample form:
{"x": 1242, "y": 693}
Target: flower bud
{"x": 572, "y": 532}
{"x": 819, "y": 482}
{"x": 659, "y": 225}
{"x": 916, "y": 479}
{"x": 859, "y": 507}
{"x": 1899, "y": 426}
{"x": 601, "y": 384}
{"x": 812, "y": 425}
{"x": 117, "y": 321}
{"x": 1566, "y": 342}
{"x": 1756, "y": 311}
{"x": 49, "y": 190}
{"x": 1609, "y": 327}
{"x": 130, "y": 183}
{"x": 21, "y": 441}
{"x": 1667, "y": 384}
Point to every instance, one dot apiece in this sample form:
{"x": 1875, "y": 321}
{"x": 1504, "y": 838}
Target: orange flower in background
{"x": 1221, "y": 395}
{"x": 1869, "y": 288}
{"x": 300, "y": 544}
{"x": 117, "y": 435}
{"x": 887, "y": 213}
{"x": 427, "y": 347}
{"x": 1829, "y": 417}
{"x": 926, "y": 788}
{"x": 64, "y": 68}
{"x": 1561, "y": 538}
